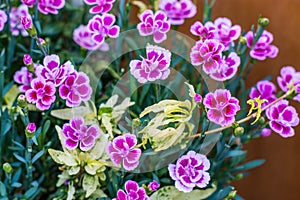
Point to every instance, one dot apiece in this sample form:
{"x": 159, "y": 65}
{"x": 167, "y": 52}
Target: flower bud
{"x": 7, "y": 167}
{"x": 263, "y": 21}
{"x": 243, "y": 40}
{"x": 42, "y": 42}
{"x": 27, "y": 59}
{"x": 22, "y": 102}
{"x": 261, "y": 120}
{"x": 265, "y": 132}
{"x": 30, "y": 130}
{"x": 239, "y": 131}
{"x": 239, "y": 176}
{"x": 232, "y": 194}
{"x": 197, "y": 98}
{"x": 153, "y": 186}
{"x": 136, "y": 122}
{"x": 27, "y": 24}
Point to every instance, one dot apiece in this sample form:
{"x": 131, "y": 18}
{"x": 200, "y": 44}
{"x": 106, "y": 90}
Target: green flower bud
{"x": 242, "y": 40}
{"x": 261, "y": 120}
{"x": 7, "y": 167}
{"x": 22, "y": 102}
{"x": 136, "y": 122}
{"x": 232, "y": 194}
{"x": 239, "y": 131}
{"x": 239, "y": 176}
{"x": 263, "y": 21}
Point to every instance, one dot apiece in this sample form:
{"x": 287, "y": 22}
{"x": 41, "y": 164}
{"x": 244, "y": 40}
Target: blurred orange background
{"x": 279, "y": 177}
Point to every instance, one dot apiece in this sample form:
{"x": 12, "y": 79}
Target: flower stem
{"x": 1, "y": 95}
{"x": 244, "y": 119}
{"x": 28, "y": 153}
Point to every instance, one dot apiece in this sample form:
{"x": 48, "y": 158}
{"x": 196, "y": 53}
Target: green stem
{"x": 244, "y": 119}
{"x": 28, "y": 153}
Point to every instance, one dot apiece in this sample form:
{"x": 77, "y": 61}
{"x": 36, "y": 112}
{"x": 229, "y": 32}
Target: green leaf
{"x": 16, "y": 185}
{"x": 29, "y": 193}
{"x": 20, "y": 158}
{"x": 234, "y": 153}
{"x": 171, "y": 193}
{"x": 38, "y": 155}
{"x": 69, "y": 113}
{"x": 249, "y": 165}
{"x": 3, "y": 192}
{"x": 62, "y": 158}
{"x": 89, "y": 184}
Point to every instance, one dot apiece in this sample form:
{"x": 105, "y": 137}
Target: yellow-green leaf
{"x": 62, "y": 158}
{"x": 89, "y": 184}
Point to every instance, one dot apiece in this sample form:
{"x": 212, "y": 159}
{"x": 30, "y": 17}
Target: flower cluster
{"x": 154, "y": 67}
{"x": 154, "y": 24}
{"x": 214, "y": 39}
{"x": 222, "y": 107}
{"x": 73, "y": 86}
{"x": 77, "y": 133}
{"x": 190, "y": 171}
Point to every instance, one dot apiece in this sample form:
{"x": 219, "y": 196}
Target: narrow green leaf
{"x": 38, "y": 155}
{"x": 20, "y": 158}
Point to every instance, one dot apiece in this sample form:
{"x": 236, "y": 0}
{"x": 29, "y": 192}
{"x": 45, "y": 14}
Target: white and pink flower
{"x": 51, "y": 71}
{"x": 24, "y": 78}
{"x": 154, "y": 24}
{"x": 283, "y": 118}
{"x": 77, "y": 133}
{"x": 15, "y": 16}
{"x": 50, "y": 6}
{"x": 178, "y": 10}
{"x": 222, "y": 107}
{"x": 122, "y": 150}
{"x": 75, "y": 89}
{"x": 263, "y": 47}
{"x": 102, "y": 26}
{"x": 190, "y": 171}
{"x": 154, "y": 67}
{"x": 41, "y": 93}
{"x": 100, "y": 6}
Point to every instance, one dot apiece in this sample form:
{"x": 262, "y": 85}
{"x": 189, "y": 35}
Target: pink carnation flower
{"x": 263, "y": 48}
{"x": 101, "y": 6}
{"x": 76, "y": 89}
{"x": 190, "y": 171}
{"x": 121, "y": 150}
{"x": 266, "y": 90}
{"x": 102, "y": 26}
{"x": 27, "y": 60}
{"x": 154, "y": 24}
{"x": 41, "y": 93}
{"x": 53, "y": 72}
{"x": 28, "y": 3}
{"x": 15, "y": 16}
{"x": 76, "y": 133}
{"x": 3, "y": 19}
{"x": 83, "y": 37}
{"x": 50, "y": 6}
{"x": 208, "y": 53}
{"x": 222, "y": 107}
{"x": 24, "y": 78}
{"x": 178, "y": 10}
{"x": 227, "y": 68}
{"x": 289, "y": 77}
{"x": 224, "y": 31}
{"x": 205, "y": 33}
{"x": 154, "y": 67}
{"x": 282, "y": 118}
{"x": 132, "y": 191}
